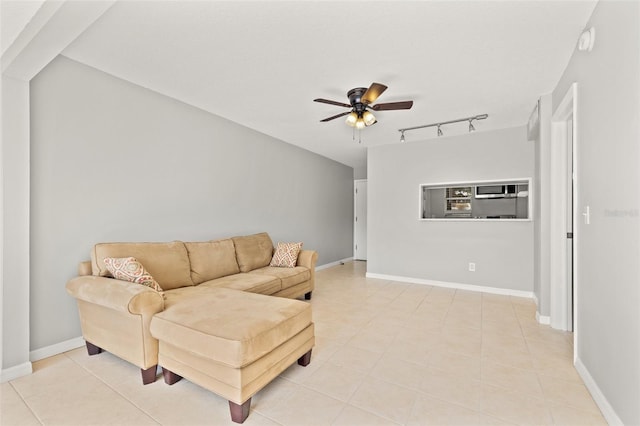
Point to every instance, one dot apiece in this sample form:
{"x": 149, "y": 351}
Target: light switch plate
{"x": 587, "y": 215}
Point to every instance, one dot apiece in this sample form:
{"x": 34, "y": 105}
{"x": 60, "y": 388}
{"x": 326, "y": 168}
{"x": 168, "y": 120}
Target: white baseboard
{"x": 458, "y": 286}
{"x": 56, "y": 349}
{"x": 336, "y": 263}
{"x": 607, "y": 410}
{"x": 543, "y": 319}
{"x": 15, "y": 372}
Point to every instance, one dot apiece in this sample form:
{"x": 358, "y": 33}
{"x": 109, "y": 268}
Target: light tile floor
{"x": 387, "y": 353}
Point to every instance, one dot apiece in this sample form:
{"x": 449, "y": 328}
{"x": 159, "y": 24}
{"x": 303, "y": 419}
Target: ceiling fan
{"x": 360, "y": 100}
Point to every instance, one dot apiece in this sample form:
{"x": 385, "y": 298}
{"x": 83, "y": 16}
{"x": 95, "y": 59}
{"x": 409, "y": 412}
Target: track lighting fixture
{"x": 469, "y": 119}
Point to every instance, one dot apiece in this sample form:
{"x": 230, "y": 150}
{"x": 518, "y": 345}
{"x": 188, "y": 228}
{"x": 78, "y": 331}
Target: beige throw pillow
{"x": 129, "y": 269}
{"x": 286, "y": 255}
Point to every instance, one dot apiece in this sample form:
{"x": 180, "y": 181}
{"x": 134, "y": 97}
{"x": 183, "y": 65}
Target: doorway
{"x": 564, "y": 227}
{"x": 360, "y": 220}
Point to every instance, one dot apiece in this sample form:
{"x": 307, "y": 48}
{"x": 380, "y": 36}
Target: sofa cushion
{"x": 129, "y": 269}
{"x": 288, "y": 276}
{"x": 212, "y": 259}
{"x": 253, "y": 251}
{"x": 255, "y": 283}
{"x": 231, "y": 327}
{"x": 286, "y": 255}
{"x": 168, "y": 263}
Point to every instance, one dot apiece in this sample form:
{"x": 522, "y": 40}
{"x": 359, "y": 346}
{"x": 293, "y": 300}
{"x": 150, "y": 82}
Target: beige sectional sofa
{"x": 218, "y": 288}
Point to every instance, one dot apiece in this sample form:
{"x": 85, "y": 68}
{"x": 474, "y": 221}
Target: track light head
{"x": 471, "y": 128}
{"x": 402, "y": 136}
{"x": 439, "y": 131}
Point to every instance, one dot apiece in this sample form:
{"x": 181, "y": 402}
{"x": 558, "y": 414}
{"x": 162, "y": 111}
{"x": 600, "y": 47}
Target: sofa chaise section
{"x": 233, "y": 343}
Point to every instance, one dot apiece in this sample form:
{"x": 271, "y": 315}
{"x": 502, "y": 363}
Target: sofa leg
{"x": 305, "y": 359}
{"x": 93, "y": 349}
{"x": 239, "y": 413}
{"x": 307, "y": 296}
{"x": 170, "y": 377}
{"x": 149, "y": 375}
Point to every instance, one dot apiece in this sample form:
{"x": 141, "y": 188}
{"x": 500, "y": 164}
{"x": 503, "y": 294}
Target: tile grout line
{"x": 539, "y": 344}
{"x": 368, "y": 375}
{"x": 26, "y": 403}
{"x": 113, "y": 389}
{"x": 531, "y": 356}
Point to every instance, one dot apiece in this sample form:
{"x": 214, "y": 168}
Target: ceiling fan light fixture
{"x": 360, "y": 110}
{"x": 352, "y": 119}
{"x": 368, "y": 118}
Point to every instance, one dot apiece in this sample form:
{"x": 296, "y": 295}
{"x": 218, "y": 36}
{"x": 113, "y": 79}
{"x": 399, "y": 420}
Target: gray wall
{"x": 15, "y": 226}
{"x": 401, "y": 245}
{"x": 541, "y": 211}
{"x": 112, "y": 161}
{"x": 360, "y": 173}
{"x": 608, "y": 177}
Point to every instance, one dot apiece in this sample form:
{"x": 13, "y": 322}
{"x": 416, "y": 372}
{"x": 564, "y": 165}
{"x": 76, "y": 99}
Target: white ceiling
{"x": 262, "y": 63}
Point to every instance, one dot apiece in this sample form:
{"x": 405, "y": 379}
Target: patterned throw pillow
{"x": 129, "y": 269}
{"x": 286, "y": 255}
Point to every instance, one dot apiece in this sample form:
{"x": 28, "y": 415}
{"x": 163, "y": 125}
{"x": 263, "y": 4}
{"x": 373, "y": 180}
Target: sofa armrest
{"x": 116, "y": 294}
{"x": 308, "y": 258}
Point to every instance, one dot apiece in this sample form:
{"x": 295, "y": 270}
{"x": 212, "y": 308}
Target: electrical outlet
{"x": 472, "y": 267}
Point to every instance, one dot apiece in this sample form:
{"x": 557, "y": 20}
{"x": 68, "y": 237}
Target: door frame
{"x": 355, "y": 212}
{"x": 561, "y": 293}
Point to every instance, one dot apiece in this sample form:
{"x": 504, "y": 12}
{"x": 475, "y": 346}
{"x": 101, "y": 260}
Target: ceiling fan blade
{"x": 342, "y": 114}
{"x": 327, "y": 101}
{"x": 372, "y": 93}
{"x": 392, "y": 105}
